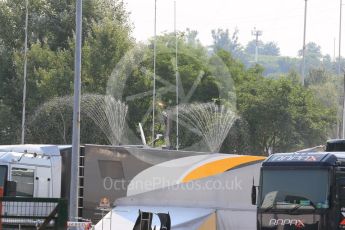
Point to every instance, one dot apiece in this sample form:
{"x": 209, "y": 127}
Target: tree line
{"x": 270, "y": 57}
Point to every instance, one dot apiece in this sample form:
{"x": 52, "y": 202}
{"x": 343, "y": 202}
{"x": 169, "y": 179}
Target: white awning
{"x": 124, "y": 217}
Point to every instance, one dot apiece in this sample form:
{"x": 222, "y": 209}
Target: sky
{"x": 280, "y": 21}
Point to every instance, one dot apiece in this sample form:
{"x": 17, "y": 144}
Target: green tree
{"x": 191, "y": 36}
{"x": 271, "y": 48}
{"x": 7, "y": 123}
{"x": 198, "y": 82}
{"x": 313, "y": 56}
{"x": 53, "y": 22}
{"x": 51, "y": 49}
{"x": 251, "y": 47}
{"x": 235, "y": 67}
{"x": 282, "y": 115}
{"x": 109, "y": 40}
{"x": 223, "y": 40}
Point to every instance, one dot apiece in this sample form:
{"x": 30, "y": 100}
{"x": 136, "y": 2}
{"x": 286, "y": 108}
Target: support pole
{"x": 25, "y": 69}
{"x": 177, "y": 83}
{"x": 73, "y": 206}
{"x": 154, "y": 74}
{"x": 304, "y": 36}
{"x": 343, "y": 130}
{"x": 340, "y": 22}
{"x": 257, "y": 34}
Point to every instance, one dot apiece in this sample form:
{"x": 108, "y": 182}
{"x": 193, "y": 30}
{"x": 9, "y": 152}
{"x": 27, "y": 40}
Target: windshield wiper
{"x": 272, "y": 206}
{"x": 300, "y": 205}
{"x": 268, "y": 208}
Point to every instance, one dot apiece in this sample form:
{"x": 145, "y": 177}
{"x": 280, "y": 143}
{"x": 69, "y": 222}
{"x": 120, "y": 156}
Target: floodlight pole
{"x": 340, "y": 22}
{"x": 73, "y": 205}
{"x": 304, "y": 48}
{"x": 257, "y": 34}
{"x": 154, "y": 73}
{"x": 25, "y": 69}
{"x": 176, "y": 76}
{"x": 343, "y": 131}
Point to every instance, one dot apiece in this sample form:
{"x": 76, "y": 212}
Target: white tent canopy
{"x": 226, "y": 193}
{"x": 229, "y": 190}
{"x": 124, "y": 217}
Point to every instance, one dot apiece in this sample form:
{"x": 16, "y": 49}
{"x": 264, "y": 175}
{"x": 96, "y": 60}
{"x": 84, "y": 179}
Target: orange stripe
{"x": 219, "y": 166}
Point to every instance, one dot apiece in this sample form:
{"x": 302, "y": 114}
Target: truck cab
{"x": 30, "y": 171}
{"x": 302, "y": 190}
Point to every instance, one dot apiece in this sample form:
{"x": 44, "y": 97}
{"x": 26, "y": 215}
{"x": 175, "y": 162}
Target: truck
{"x": 42, "y": 171}
{"x": 30, "y": 171}
{"x": 302, "y": 190}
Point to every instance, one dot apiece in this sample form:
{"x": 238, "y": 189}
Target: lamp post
{"x": 154, "y": 73}
{"x": 25, "y": 70}
{"x": 256, "y": 33}
{"x": 340, "y": 22}
{"x": 73, "y": 205}
{"x": 176, "y": 79}
{"x": 304, "y": 48}
{"x": 343, "y": 130}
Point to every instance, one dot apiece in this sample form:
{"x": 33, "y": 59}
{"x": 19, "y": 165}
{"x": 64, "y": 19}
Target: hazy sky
{"x": 280, "y": 20}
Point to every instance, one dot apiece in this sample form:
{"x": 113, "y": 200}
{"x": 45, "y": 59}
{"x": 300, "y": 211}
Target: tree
{"x": 7, "y": 123}
{"x": 317, "y": 76}
{"x": 313, "y": 50}
{"x": 251, "y": 47}
{"x": 271, "y": 48}
{"x": 238, "y": 139}
{"x": 53, "y": 22}
{"x": 106, "y": 34}
{"x": 235, "y": 67}
{"x": 328, "y": 91}
{"x": 222, "y": 40}
{"x": 282, "y": 115}
{"x": 313, "y": 56}
{"x": 328, "y": 64}
{"x": 191, "y": 36}
{"x": 196, "y": 83}
{"x": 102, "y": 50}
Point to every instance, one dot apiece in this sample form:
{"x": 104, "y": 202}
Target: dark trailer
{"x": 303, "y": 190}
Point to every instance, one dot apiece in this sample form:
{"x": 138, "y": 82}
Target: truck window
{"x": 25, "y": 181}
{"x": 284, "y": 189}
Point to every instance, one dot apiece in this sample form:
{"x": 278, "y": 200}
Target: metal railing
{"x": 33, "y": 213}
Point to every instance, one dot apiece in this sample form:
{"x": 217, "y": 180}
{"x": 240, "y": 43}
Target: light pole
{"x": 25, "y": 69}
{"x": 304, "y": 35}
{"x": 176, "y": 79}
{"x": 154, "y": 73}
{"x": 73, "y": 205}
{"x": 343, "y": 130}
{"x": 340, "y": 21}
{"x": 256, "y": 33}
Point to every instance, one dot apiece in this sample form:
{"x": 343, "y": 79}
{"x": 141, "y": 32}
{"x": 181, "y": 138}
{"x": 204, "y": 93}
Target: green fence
{"x": 33, "y": 213}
